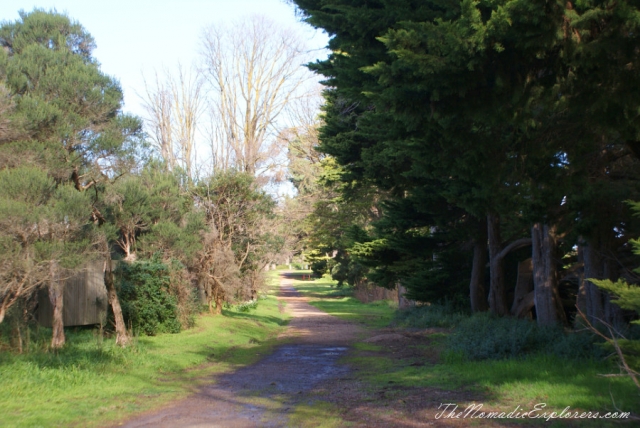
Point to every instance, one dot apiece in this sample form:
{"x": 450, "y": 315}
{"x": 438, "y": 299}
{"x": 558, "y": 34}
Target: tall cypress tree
{"x": 491, "y": 105}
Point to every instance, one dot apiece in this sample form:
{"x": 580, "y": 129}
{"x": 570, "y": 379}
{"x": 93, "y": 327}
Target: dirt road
{"x": 265, "y": 393}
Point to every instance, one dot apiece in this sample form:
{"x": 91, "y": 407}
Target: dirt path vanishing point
{"x": 263, "y": 394}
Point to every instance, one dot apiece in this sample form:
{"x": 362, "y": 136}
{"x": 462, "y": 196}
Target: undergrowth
{"x": 486, "y": 337}
{"x": 434, "y": 315}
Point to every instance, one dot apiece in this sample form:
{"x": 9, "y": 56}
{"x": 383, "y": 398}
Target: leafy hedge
{"x": 147, "y": 305}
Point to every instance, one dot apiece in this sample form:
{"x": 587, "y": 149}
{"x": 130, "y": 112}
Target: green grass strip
{"x": 91, "y": 382}
{"x": 326, "y": 296}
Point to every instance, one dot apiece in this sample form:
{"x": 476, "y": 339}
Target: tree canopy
{"x": 499, "y": 123}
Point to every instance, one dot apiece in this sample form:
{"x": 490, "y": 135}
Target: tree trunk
{"x": 497, "y": 292}
{"x": 477, "y": 292}
{"x": 581, "y": 297}
{"x": 545, "y": 282}
{"x": 403, "y": 302}
{"x": 122, "y": 337}
{"x": 594, "y": 297}
{"x": 523, "y": 296}
{"x": 56, "y": 297}
{"x": 597, "y": 302}
{"x": 612, "y": 313}
{"x": 218, "y": 298}
{"x": 208, "y": 291}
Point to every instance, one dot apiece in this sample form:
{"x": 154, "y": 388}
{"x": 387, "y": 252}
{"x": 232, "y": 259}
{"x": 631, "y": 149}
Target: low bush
{"x": 434, "y": 315}
{"x": 147, "y": 304}
{"x": 187, "y": 297}
{"x": 486, "y": 337}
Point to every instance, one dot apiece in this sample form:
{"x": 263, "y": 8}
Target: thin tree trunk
{"x": 56, "y": 297}
{"x": 593, "y": 269}
{"x": 497, "y": 292}
{"x": 545, "y": 282}
{"x": 612, "y": 313}
{"x": 581, "y": 297}
{"x": 16, "y": 338}
{"x": 477, "y": 292}
{"x": 211, "y": 302}
{"x": 218, "y": 298}
{"x": 122, "y": 337}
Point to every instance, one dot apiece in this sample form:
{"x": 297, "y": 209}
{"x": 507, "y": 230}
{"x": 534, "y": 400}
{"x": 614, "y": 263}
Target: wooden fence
{"x": 368, "y": 292}
{"x": 85, "y": 299}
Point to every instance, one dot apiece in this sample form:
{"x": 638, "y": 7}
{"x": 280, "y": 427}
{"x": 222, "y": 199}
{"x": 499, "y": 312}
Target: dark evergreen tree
{"x": 490, "y": 105}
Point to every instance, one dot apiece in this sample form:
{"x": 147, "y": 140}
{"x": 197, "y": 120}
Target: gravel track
{"x": 263, "y": 394}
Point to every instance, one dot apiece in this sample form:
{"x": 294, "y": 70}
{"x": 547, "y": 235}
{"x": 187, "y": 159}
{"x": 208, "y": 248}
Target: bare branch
{"x": 255, "y": 74}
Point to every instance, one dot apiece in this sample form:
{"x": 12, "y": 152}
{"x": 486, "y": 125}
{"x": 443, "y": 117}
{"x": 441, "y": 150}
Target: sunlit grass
{"x": 326, "y": 296}
{"x": 503, "y": 384}
{"x": 316, "y": 414}
{"x": 91, "y": 381}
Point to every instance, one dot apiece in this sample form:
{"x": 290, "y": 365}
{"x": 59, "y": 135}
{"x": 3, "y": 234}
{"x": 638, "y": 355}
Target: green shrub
{"x": 435, "y": 315}
{"x": 319, "y": 268}
{"x": 486, "y": 337}
{"x": 147, "y": 305}
{"x": 186, "y": 295}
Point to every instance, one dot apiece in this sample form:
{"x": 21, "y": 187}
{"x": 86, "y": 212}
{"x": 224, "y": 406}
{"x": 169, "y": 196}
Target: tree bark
{"x": 122, "y": 337}
{"x": 581, "y": 297}
{"x": 477, "y": 291}
{"x": 56, "y": 297}
{"x": 497, "y": 292}
{"x": 597, "y": 302}
{"x": 545, "y": 282}
{"x": 523, "y": 296}
{"x": 612, "y": 313}
{"x": 594, "y": 297}
{"x": 218, "y": 298}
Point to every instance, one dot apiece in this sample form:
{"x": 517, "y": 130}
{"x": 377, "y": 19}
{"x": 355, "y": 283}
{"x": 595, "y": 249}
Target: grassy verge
{"x": 505, "y": 384}
{"x": 317, "y": 414}
{"x": 426, "y": 367}
{"x": 91, "y": 381}
{"x": 324, "y": 295}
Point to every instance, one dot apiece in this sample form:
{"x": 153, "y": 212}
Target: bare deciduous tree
{"x": 173, "y": 107}
{"x": 255, "y": 72}
{"x": 158, "y": 104}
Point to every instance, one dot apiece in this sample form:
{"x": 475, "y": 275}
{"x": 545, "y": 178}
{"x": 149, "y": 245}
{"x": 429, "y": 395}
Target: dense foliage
{"x": 488, "y": 127}
{"x": 78, "y": 184}
{"x": 147, "y": 305}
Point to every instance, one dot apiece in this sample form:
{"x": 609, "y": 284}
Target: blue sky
{"x": 137, "y": 36}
